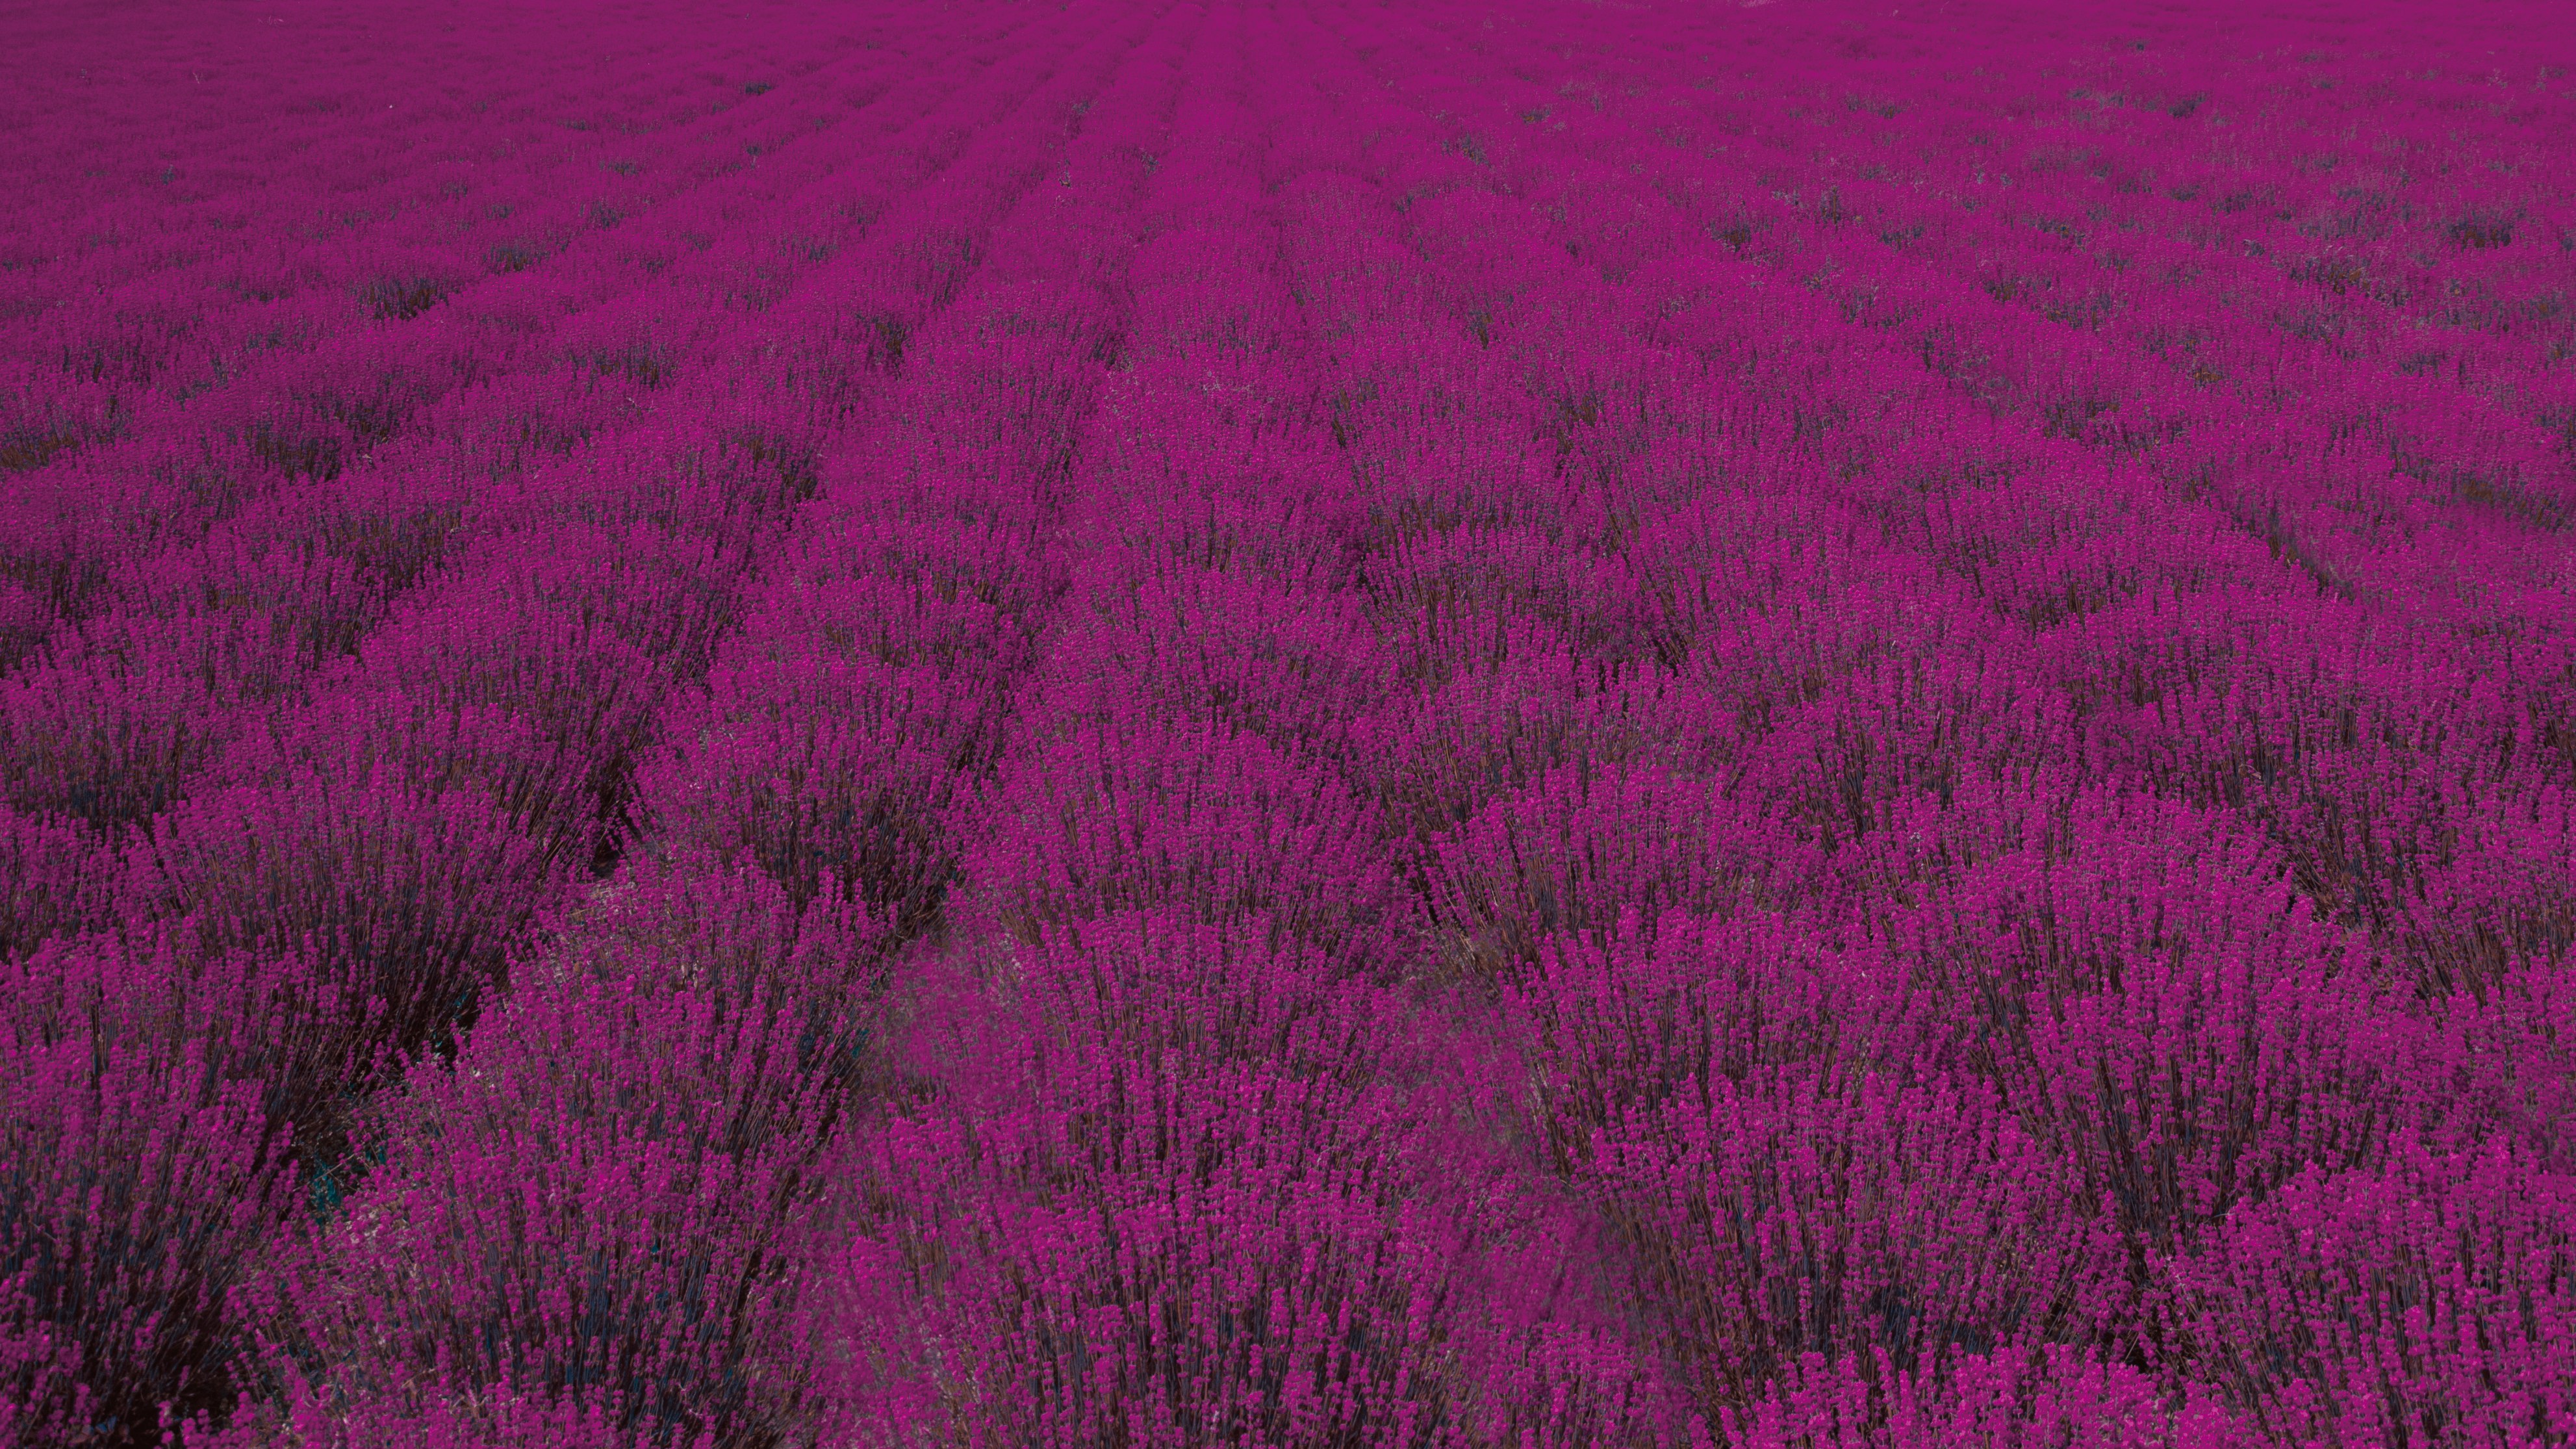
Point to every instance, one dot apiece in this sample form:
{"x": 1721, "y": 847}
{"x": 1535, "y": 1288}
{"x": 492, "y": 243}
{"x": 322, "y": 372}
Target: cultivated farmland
{"x": 1154, "y": 724}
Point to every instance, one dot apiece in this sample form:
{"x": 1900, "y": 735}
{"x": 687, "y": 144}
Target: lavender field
{"x": 1152, "y": 724}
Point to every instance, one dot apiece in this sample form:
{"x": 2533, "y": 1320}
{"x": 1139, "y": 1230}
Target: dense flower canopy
{"x": 1551, "y": 724}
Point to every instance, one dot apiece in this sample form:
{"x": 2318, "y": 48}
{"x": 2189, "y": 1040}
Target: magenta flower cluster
{"x": 1563, "y": 724}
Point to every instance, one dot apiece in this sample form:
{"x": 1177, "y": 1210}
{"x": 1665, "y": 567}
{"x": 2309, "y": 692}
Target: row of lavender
{"x": 2413, "y": 788}
{"x": 1930, "y": 1060}
{"x": 293, "y": 781}
{"x": 2292, "y": 724}
{"x": 1376, "y": 798}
